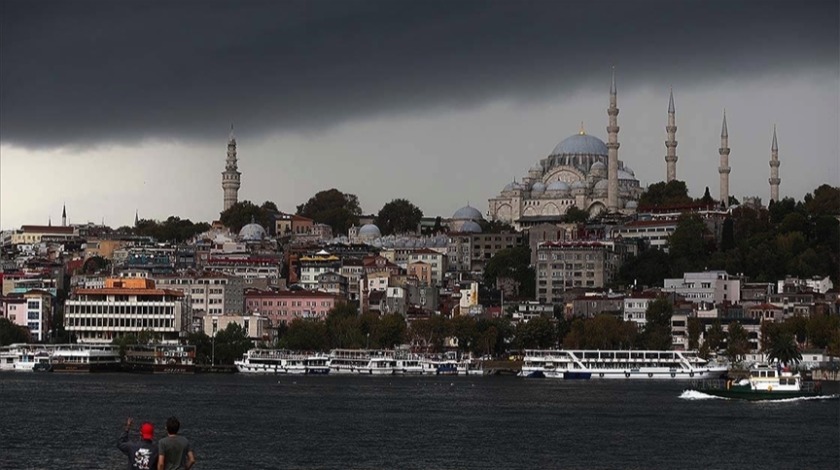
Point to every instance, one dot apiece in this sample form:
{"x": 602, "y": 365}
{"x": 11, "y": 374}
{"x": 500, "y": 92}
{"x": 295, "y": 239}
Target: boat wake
{"x": 698, "y": 395}
{"x": 797, "y": 399}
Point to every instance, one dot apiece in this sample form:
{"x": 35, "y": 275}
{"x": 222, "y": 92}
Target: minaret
{"x": 230, "y": 177}
{"x": 64, "y": 215}
{"x": 136, "y": 217}
{"x": 774, "y": 169}
{"x": 671, "y": 143}
{"x": 612, "y": 150}
{"x": 724, "y": 169}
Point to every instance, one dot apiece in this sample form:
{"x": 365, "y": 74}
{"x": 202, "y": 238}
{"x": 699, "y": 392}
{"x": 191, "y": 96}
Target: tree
{"x": 95, "y": 264}
{"x": 707, "y": 199}
{"x": 737, "y": 343}
{"x": 688, "y": 246}
{"x": 784, "y": 349}
{"x": 727, "y": 239}
{"x": 334, "y": 208}
{"x": 657, "y": 330}
{"x": 825, "y": 201}
{"x": 305, "y": 335}
{"x": 695, "y": 328}
{"x": 715, "y": 336}
{"x": 672, "y": 193}
{"x": 203, "y": 347}
{"x": 398, "y": 216}
{"x": 244, "y": 212}
{"x": 575, "y": 215}
{"x": 231, "y": 343}
{"x": 389, "y": 331}
{"x": 649, "y": 268}
{"x": 512, "y": 263}
{"x": 535, "y": 333}
{"x": 11, "y": 333}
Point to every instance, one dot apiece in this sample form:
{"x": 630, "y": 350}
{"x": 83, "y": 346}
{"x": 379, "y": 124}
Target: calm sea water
{"x": 55, "y": 421}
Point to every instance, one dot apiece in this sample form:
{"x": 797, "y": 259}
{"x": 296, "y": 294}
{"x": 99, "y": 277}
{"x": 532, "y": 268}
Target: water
{"x": 55, "y": 421}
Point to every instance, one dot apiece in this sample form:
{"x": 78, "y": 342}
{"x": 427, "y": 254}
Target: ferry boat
{"x": 380, "y": 363}
{"x": 24, "y": 357}
{"x": 619, "y": 364}
{"x": 160, "y": 359}
{"x": 85, "y": 358}
{"x": 279, "y": 361}
{"x": 764, "y": 383}
{"x": 409, "y": 365}
{"x": 470, "y": 366}
{"x": 349, "y": 361}
{"x": 437, "y": 366}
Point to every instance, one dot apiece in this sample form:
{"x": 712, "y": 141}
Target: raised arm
{"x": 122, "y": 443}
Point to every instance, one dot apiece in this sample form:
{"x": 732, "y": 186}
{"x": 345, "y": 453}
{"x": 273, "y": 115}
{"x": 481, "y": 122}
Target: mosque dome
{"x": 625, "y": 175}
{"x": 629, "y": 170}
{"x": 579, "y": 185}
{"x": 252, "y": 232}
{"x": 598, "y": 166}
{"x": 369, "y": 231}
{"x": 512, "y": 186}
{"x": 581, "y": 144}
{"x": 538, "y": 188}
{"x": 468, "y": 213}
{"x": 601, "y": 188}
{"x": 470, "y": 227}
{"x": 559, "y": 186}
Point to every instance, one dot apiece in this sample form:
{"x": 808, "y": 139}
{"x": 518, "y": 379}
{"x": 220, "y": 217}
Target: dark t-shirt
{"x": 174, "y": 450}
{"x": 142, "y": 455}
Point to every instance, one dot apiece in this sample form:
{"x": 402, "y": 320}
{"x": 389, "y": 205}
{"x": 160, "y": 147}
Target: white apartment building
{"x": 209, "y": 292}
{"x": 635, "y": 307}
{"x": 708, "y": 286}
{"x": 435, "y": 259}
{"x": 126, "y": 306}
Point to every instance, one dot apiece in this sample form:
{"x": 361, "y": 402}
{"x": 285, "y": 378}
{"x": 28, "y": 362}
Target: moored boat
{"x": 85, "y": 358}
{"x": 619, "y": 364}
{"x": 160, "y": 358}
{"x": 764, "y": 383}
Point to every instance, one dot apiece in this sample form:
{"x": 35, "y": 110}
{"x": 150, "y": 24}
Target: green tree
{"x": 727, "y": 239}
{"x": 737, "y": 343}
{"x": 389, "y": 331}
{"x": 657, "y": 330}
{"x": 672, "y": 193}
{"x": 707, "y": 199}
{"x": 513, "y": 263}
{"x": 821, "y": 329}
{"x": 203, "y": 347}
{"x": 244, "y": 212}
{"x": 688, "y": 246}
{"x": 334, "y": 208}
{"x": 11, "y": 333}
{"x": 430, "y": 332}
{"x": 398, "y": 216}
{"x": 715, "y": 336}
{"x": 463, "y": 328}
{"x": 536, "y": 333}
{"x": 231, "y": 343}
{"x": 95, "y": 264}
{"x": 824, "y": 201}
{"x": 784, "y": 349}
{"x": 575, "y": 215}
{"x": 649, "y": 268}
{"x": 695, "y": 329}
{"x": 306, "y": 335}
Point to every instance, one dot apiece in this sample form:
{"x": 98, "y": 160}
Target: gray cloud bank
{"x": 91, "y": 71}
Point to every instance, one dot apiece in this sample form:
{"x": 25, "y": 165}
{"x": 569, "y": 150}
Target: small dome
{"x": 512, "y": 187}
{"x": 624, "y": 175}
{"x": 538, "y": 188}
{"x": 468, "y": 213}
{"x": 252, "y": 232}
{"x": 629, "y": 170}
{"x": 598, "y": 166}
{"x": 581, "y": 144}
{"x": 369, "y": 231}
{"x": 602, "y": 184}
{"x": 470, "y": 227}
{"x": 558, "y": 186}
{"x": 578, "y": 185}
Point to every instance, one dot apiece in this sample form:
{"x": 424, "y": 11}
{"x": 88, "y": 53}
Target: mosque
{"x": 582, "y": 171}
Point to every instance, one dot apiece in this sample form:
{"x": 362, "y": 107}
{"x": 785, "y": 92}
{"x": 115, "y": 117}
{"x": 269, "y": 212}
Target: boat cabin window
{"x": 771, "y": 373}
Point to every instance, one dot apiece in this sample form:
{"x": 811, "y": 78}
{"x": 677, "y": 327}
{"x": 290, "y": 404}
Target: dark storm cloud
{"x": 74, "y": 72}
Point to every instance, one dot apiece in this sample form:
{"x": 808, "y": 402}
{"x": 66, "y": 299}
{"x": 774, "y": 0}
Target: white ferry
{"x": 438, "y": 366}
{"x": 618, "y": 364}
{"x": 380, "y": 363}
{"x": 349, "y": 361}
{"x": 279, "y": 361}
{"x": 470, "y": 366}
{"x": 24, "y": 357}
{"x": 85, "y": 358}
{"x": 409, "y": 365}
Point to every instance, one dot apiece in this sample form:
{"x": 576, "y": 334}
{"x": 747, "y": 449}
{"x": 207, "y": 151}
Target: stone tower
{"x": 774, "y": 169}
{"x": 612, "y": 150}
{"x": 724, "y": 169}
{"x": 230, "y": 177}
{"x": 671, "y": 143}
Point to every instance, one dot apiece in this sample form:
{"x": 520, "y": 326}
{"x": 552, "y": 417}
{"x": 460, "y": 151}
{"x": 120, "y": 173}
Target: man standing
{"x": 174, "y": 451}
{"x": 142, "y": 454}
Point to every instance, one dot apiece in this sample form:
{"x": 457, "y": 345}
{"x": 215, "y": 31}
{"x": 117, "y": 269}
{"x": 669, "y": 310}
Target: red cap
{"x": 147, "y": 430}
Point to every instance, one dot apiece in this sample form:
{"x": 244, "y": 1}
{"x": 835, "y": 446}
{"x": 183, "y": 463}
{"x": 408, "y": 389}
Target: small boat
{"x": 764, "y": 383}
{"x": 160, "y": 358}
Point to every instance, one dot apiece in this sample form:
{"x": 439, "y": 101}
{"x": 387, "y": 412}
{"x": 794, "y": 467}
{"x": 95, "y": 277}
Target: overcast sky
{"x": 112, "y": 107}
